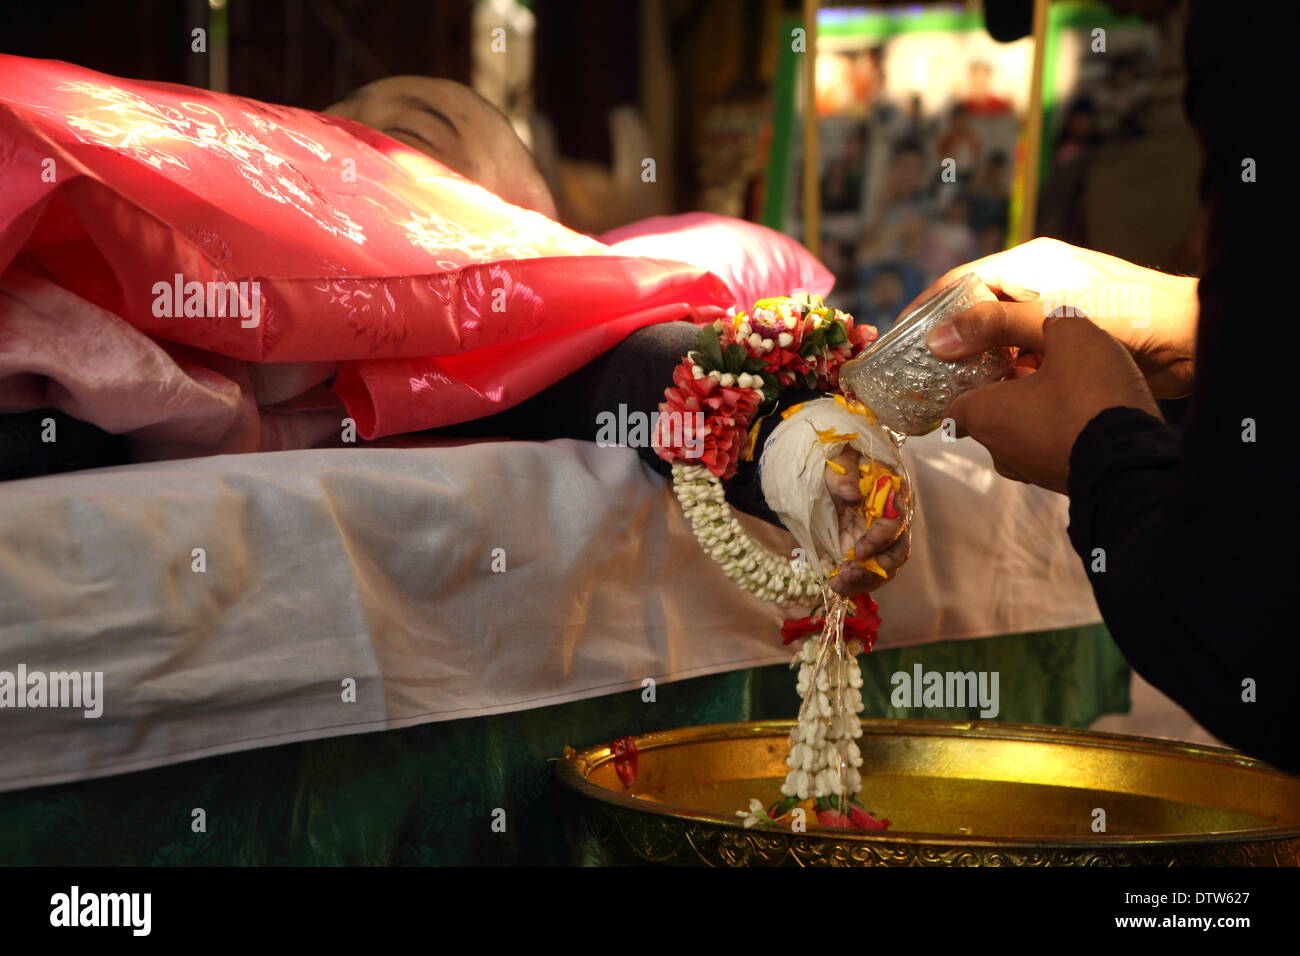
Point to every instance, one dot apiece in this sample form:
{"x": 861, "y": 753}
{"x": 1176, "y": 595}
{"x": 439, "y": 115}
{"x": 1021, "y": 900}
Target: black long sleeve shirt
{"x": 1197, "y": 534}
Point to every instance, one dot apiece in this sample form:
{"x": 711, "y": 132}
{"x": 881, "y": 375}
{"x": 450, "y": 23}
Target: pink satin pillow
{"x": 754, "y": 261}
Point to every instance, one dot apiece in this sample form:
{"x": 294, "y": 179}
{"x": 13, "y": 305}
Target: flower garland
{"x": 709, "y": 423}
{"x": 746, "y": 562}
{"x": 730, "y": 381}
{"x": 824, "y": 758}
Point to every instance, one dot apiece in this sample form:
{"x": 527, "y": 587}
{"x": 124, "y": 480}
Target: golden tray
{"x": 958, "y": 793}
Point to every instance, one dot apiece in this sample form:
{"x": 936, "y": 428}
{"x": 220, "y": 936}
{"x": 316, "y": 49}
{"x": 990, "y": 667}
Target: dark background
{"x": 311, "y": 53}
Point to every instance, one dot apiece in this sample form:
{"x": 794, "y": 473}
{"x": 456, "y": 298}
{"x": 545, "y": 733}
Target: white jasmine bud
{"x": 821, "y": 785}
{"x": 785, "y": 340}
{"x": 802, "y": 782}
{"x": 853, "y": 755}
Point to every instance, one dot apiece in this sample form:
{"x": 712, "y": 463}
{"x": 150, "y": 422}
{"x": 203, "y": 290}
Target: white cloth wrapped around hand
{"x": 793, "y": 470}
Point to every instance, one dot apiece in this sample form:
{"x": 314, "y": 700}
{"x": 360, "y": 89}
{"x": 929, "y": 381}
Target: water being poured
{"x": 903, "y": 383}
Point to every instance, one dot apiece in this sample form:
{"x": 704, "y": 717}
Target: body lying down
{"x": 463, "y": 131}
{"x": 67, "y": 353}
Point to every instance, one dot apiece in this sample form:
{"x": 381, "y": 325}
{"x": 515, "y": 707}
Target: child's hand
{"x": 886, "y": 540}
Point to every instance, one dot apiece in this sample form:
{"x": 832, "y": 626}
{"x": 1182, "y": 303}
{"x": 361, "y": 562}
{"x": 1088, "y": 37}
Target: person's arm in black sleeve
{"x": 632, "y": 374}
{"x": 641, "y": 367}
{"x": 1190, "y": 544}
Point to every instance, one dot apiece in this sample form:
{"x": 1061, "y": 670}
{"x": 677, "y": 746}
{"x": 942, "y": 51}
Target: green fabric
{"x": 426, "y": 795}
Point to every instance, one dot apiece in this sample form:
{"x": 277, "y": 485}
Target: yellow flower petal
{"x": 857, "y": 408}
{"x": 829, "y": 436}
{"x": 871, "y": 565}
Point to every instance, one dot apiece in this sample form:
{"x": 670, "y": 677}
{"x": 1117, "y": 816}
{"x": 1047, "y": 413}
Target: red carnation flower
{"x": 690, "y": 389}
{"x": 725, "y": 436}
{"x": 861, "y": 335}
{"x": 787, "y": 365}
{"x": 724, "y": 442}
{"x": 696, "y": 394}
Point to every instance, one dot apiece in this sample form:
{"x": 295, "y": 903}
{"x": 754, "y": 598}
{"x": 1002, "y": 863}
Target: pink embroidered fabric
{"x": 438, "y": 301}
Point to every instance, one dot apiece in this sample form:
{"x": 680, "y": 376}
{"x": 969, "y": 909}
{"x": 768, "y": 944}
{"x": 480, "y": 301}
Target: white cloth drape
{"x": 376, "y": 565}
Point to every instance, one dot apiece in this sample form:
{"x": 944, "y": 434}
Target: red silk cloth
{"x": 440, "y": 302}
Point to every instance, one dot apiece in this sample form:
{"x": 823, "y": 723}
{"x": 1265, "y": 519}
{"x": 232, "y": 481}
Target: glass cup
{"x": 906, "y": 385}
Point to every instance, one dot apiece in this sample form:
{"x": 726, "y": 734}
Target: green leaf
{"x": 707, "y": 344}
{"x": 836, "y": 335}
{"x": 813, "y": 343}
{"x": 786, "y": 805}
{"x": 735, "y": 358}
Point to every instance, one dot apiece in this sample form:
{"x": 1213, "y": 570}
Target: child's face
{"x": 457, "y": 127}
